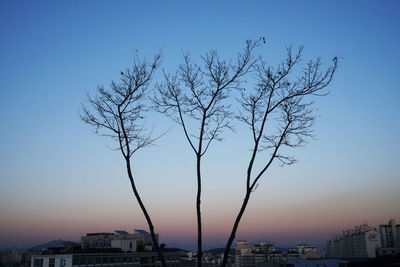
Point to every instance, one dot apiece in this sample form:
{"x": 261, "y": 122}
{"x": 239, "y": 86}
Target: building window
{"x": 51, "y": 262}
{"x": 38, "y": 263}
{"x": 91, "y": 260}
{"x": 130, "y": 245}
{"x": 105, "y": 259}
{"x": 144, "y": 260}
{"x": 83, "y": 261}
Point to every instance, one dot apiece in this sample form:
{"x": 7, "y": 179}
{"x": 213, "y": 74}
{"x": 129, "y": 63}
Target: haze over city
{"x": 59, "y": 180}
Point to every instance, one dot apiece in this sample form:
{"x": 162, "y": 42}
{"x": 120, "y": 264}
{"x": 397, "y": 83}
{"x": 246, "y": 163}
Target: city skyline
{"x": 60, "y": 180}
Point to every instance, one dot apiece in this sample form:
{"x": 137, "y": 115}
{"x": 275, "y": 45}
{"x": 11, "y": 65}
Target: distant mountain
{"x": 177, "y": 245}
{"x": 174, "y": 249}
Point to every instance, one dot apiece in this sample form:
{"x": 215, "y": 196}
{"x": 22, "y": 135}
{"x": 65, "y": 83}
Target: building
{"x": 347, "y": 243}
{"x": 303, "y": 251}
{"x": 362, "y": 242}
{"x": 140, "y": 240}
{"x": 263, "y": 248}
{"x": 15, "y": 258}
{"x": 387, "y": 251}
{"x": 256, "y": 255}
{"x": 142, "y": 259}
{"x": 243, "y": 255}
{"x": 97, "y": 240}
{"x": 316, "y": 263}
{"x": 293, "y": 253}
{"x": 390, "y": 234}
{"x": 275, "y": 256}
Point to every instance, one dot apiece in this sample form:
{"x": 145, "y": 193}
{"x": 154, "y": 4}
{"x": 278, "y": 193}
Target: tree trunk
{"x": 198, "y": 202}
{"x": 139, "y": 200}
{"x": 234, "y": 229}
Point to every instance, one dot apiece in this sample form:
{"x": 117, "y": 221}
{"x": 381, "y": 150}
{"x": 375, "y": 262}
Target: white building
{"x": 367, "y": 240}
{"x": 131, "y": 242}
{"x": 362, "y": 242}
{"x": 126, "y": 245}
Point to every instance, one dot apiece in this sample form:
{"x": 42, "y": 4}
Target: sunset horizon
{"x": 62, "y": 176}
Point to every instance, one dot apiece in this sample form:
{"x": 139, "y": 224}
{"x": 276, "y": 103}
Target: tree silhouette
{"x": 279, "y": 113}
{"x": 196, "y": 95}
{"x": 119, "y": 113}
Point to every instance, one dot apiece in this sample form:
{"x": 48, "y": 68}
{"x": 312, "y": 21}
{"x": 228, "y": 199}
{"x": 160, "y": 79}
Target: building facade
{"x": 142, "y": 259}
{"x": 123, "y": 240}
{"x": 362, "y": 242}
{"x": 97, "y": 240}
{"x": 259, "y": 255}
{"x": 390, "y": 234}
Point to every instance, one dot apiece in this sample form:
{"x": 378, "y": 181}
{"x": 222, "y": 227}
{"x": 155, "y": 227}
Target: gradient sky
{"x": 60, "y": 180}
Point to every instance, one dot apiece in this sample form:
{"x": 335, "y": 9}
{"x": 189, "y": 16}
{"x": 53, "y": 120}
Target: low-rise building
{"x": 97, "y": 240}
{"x": 106, "y": 259}
{"x": 387, "y": 251}
{"x": 256, "y": 255}
{"x": 243, "y": 255}
{"x": 140, "y": 240}
{"x": 275, "y": 256}
{"x": 303, "y": 251}
{"x": 15, "y": 258}
{"x": 316, "y": 263}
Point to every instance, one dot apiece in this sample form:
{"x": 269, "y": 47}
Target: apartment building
{"x": 362, "y": 242}
{"x": 390, "y": 234}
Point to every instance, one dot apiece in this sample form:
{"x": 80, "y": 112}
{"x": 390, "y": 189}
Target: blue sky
{"x": 59, "y": 180}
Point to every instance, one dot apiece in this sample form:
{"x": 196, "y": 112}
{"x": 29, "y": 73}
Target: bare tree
{"x": 195, "y": 95}
{"x": 118, "y": 113}
{"x": 279, "y": 114}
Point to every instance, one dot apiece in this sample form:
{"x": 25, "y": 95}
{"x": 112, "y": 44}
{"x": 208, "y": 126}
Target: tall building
{"x": 362, "y": 242}
{"x": 390, "y": 234}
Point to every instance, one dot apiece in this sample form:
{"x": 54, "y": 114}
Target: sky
{"x": 58, "y": 179}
